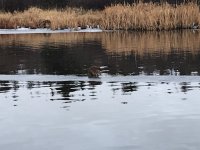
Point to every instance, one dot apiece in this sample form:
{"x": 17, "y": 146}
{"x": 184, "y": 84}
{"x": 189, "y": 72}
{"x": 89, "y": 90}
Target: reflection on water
{"x": 126, "y": 53}
{"x": 67, "y": 91}
{"x": 73, "y": 91}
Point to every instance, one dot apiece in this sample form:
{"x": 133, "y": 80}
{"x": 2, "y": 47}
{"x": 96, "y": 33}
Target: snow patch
{"x": 43, "y": 30}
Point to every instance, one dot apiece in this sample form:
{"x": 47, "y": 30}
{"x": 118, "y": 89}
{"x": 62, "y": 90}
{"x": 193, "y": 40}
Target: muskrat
{"x": 94, "y": 72}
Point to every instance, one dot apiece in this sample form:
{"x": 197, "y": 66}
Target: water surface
{"x": 146, "y": 97}
{"x": 126, "y": 53}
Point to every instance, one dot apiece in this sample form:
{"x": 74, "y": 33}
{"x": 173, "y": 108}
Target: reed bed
{"x": 151, "y": 16}
{"x": 141, "y": 16}
{"x": 60, "y": 19}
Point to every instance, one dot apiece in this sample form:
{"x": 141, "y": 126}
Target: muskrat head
{"x": 94, "y": 72}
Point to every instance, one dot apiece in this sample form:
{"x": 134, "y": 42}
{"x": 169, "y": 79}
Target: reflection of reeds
{"x": 37, "y": 40}
{"x": 141, "y": 16}
{"x": 126, "y": 42}
{"x": 114, "y": 42}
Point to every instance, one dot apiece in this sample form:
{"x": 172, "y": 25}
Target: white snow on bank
{"x": 31, "y": 31}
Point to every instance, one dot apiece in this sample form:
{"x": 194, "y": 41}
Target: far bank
{"x": 141, "y": 16}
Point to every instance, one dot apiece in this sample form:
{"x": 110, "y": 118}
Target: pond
{"x": 146, "y": 97}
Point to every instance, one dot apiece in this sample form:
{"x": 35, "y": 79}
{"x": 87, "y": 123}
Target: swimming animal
{"x": 94, "y": 72}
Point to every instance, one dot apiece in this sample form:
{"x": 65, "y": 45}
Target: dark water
{"x": 122, "y": 53}
{"x": 146, "y": 98}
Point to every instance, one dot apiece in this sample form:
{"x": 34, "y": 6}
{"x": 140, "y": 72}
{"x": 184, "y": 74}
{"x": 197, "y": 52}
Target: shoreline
{"x": 93, "y": 30}
{"x": 44, "y": 30}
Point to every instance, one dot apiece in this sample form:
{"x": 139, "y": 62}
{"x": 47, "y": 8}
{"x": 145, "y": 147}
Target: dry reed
{"x": 141, "y": 16}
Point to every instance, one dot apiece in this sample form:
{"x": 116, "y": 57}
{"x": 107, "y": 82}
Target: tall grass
{"x": 141, "y": 16}
{"x": 151, "y": 16}
{"x": 67, "y": 18}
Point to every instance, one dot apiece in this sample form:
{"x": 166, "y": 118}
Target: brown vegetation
{"x": 151, "y": 16}
{"x": 141, "y": 16}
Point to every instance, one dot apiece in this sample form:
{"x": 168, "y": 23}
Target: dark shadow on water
{"x": 68, "y": 92}
{"x": 5, "y": 86}
{"x": 129, "y": 87}
{"x": 186, "y": 87}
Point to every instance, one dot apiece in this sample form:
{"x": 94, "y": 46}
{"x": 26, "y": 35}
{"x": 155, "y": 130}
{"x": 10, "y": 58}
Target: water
{"x": 146, "y": 97}
{"x": 126, "y": 53}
